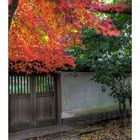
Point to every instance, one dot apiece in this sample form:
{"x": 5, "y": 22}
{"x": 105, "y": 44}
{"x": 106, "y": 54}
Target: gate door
{"x": 32, "y": 101}
{"x": 45, "y": 100}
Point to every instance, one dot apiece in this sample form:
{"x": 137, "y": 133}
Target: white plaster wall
{"x": 81, "y": 95}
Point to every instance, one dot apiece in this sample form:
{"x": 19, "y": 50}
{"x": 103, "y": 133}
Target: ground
{"x": 108, "y": 130}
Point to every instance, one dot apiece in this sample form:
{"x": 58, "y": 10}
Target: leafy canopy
{"x": 42, "y": 31}
{"x": 109, "y": 58}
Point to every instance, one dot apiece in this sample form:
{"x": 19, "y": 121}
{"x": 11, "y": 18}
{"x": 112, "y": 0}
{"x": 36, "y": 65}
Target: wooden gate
{"x": 32, "y": 101}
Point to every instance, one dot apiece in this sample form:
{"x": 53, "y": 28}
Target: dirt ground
{"x": 108, "y": 130}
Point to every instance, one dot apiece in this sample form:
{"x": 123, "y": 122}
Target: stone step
{"x": 38, "y": 132}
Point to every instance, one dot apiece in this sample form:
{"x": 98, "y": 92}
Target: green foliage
{"x": 109, "y": 58}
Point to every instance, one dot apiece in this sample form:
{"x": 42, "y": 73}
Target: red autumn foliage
{"x": 42, "y": 31}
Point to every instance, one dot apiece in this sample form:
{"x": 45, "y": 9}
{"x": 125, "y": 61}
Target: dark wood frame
{"x": 58, "y": 99}
{"x": 33, "y": 102}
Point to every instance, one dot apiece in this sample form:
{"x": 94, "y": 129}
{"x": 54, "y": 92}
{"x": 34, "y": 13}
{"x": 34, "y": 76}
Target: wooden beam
{"x": 58, "y": 98}
{"x": 33, "y": 100}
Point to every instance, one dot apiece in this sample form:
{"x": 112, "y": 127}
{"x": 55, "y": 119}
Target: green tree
{"x": 109, "y": 58}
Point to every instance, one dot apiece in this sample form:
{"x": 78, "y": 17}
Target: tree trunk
{"x": 12, "y": 8}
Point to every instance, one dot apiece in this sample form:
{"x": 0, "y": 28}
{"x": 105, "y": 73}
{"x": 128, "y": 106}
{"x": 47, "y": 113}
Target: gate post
{"x": 58, "y": 98}
{"x": 33, "y": 100}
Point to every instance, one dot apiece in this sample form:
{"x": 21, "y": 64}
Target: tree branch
{"x": 111, "y": 9}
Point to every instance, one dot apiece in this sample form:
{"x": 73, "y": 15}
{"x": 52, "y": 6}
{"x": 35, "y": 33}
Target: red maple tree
{"x": 42, "y": 30}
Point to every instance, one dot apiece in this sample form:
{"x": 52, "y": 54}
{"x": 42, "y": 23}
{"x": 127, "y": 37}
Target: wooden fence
{"x": 32, "y": 101}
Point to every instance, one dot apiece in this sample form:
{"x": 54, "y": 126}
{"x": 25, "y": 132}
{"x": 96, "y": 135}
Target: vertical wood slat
{"x": 38, "y": 84}
{"x": 11, "y": 85}
{"x": 28, "y": 79}
{"x": 18, "y": 84}
{"x": 27, "y": 84}
{"x": 49, "y": 84}
{"x": 15, "y": 84}
{"x": 53, "y": 83}
{"x": 24, "y": 86}
{"x": 47, "y": 87}
{"x": 33, "y": 99}
{"x": 21, "y": 83}
{"x": 43, "y": 84}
